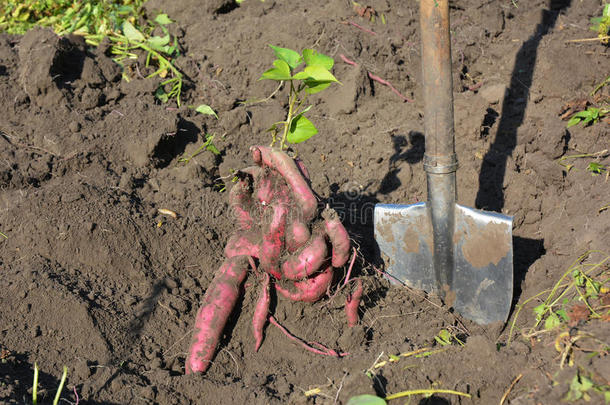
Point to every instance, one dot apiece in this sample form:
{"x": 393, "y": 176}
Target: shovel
{"x": 462, "y": 254}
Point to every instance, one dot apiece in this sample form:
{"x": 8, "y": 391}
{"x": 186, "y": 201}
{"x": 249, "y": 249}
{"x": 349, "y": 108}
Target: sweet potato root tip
{"x": 244, "y": 243}
{"x": 308, "y": 260}
{"x": 351, "y": 304}
{"x": 287, "y": 168}
{"x": 310, "y": 289}
{"x": 302, "y": 168}
{"x": 338, "y": 236}
{"x": 218, "y": 302}
{"x": 297, "y": 234}
{"x": 261, "y": 312}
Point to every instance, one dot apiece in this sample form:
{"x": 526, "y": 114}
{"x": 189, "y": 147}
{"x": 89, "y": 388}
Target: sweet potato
{"x": 261, "y": 312}
{"x": 310, "y": 289}
{"x": 338, "y": 236}
{"x": 288, "y": 169}
{"x": 297, "y": 234}
{"x": 351, "y": 304}
{"x": 244, "y": 243}
{"x": 241, "y": 203}
{"x": 308, "y": 260}
{"x": 273, "y": 240}
{"x": 218, "y": 302}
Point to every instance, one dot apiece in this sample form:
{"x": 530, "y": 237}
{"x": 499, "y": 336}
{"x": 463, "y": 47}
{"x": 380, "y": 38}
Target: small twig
{"x": 589, "y": 39}
{"x": 323, "y": 350}
{"x": 360, "y": 27}
{"x": 510, "y": 388}
{"x": 386, "y": 83}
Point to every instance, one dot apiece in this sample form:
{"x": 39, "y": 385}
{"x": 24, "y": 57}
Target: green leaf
{"x": 301, "y": 129}
{"x": 562, "y": 313}
{"x": 159, "y": 44}
{"x": 281, "y": 71}
{"x": 314, "y": 87}
{"x": 314, "y": 58}
{"x": 163, "y": 19}
{"x": 316, "y": 73}
{"x": 539, "y": 311}
{"x": 552, "y": 321}
{"x": 206, "y": 109}
{"x": 161, "y": 94}
{"x": 366, "y": 399}
{"x": 132, "y": 33}
{"x": 292, "y": 58}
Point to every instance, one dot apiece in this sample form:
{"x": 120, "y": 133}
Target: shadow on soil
{"x": 493, "y": 169}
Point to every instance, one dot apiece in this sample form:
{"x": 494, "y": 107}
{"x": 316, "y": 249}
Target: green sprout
{"x": 314, "y": 77}
{"x": 59, "y": 389}
{"x": 588, "y": 117}
{"x": 601, "y": 25}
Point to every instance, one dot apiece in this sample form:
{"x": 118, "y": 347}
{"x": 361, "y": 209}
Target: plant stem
{"x": 291, "y": 103}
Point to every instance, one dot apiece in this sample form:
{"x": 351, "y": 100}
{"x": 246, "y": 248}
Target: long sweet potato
{"x": 240, "y": 203}
{"x": 244, "y": 243}
{"x": 218, "y": 302}
{"x": 273, "y": 240}
{"x": 297, "y": 234}
{"x": 261, "y": 312}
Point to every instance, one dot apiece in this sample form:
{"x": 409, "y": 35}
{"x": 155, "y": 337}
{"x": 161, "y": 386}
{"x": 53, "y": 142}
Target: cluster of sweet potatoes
{"x": 297, "y": 255}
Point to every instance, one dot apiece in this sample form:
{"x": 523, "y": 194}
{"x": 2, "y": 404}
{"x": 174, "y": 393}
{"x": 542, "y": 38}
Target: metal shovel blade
{"x": 480, "y": 285}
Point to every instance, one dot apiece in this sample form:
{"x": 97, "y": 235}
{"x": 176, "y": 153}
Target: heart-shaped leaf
{"x": 366, "y": 399}
{"x": 163, "y": 19}
{"x": 314, "y": 58}
{"x": 301, "y": 129}
{"x": 159, "y": 43}
{"x": 206, "y": 109}
{"x": 132, "y": 33}
{"x": 292, "y": 58}
{"x": 281, "y": 71}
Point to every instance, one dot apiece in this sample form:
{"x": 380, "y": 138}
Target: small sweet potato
{"x": 261, "y": 312}
{"x": 301, "y": 265}
{"x": 351, "y": 304}
{"x": 311, "y": 289}
{"x": 338, "y": 236}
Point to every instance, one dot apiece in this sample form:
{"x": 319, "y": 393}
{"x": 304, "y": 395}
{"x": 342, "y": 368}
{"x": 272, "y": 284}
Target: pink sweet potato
{"x": 243, "y": 243}
{"x": 273, "y": 240}
{"x": 240, "y": 202}
{"x": 297, "y": 234}
{"x": 308, "y": 260}
{"x": 338, "y": 236}
{"x": 310, "y": 289}
{"x": 288, "y": 169}
{"x": 261, "y": 312}
{"x": 218, "y": 302}
{"x": 351, "y": 304}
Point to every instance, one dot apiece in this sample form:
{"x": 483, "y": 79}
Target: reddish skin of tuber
{"x": 288, "y": 169}
{"x": 308, "y": 261}
{"x": 338, "y": 237}
{"x": 264, "y": 189}
{"x": 261, "y": 312}
{"x": 273, "y": 240}
{"x": 351, "y": 304}
{"x": 310, "y": 289}
{"x": 218, "y": 302}
{"x": 239, "y": 200}
{"x": 244, "y": 243}
{"x": 297, "y": 234}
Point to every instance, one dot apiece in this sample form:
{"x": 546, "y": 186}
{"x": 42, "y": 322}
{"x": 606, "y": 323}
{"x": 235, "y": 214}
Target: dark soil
{"x": 93, "y": 277}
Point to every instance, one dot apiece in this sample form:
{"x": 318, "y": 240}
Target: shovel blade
{"x": 481, "y": 280}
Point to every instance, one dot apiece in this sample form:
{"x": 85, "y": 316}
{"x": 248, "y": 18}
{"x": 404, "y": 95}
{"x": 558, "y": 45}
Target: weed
{"x": 59, "y": 389}
{"x": 315, "y": 77}
{"x": 582, "y": 386}
{"x": 446, "y": 338}
{"x": 589, "y": 116}
{"x": 3, "y": 235}
{"x": 580, "y": 285}
{"x": 207, "y": 145}
{"x": 95, "y": 20}
{"x": 594, "y": 168}
{"x": 601, "y": 25}
{"x": 375, "y": 400}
